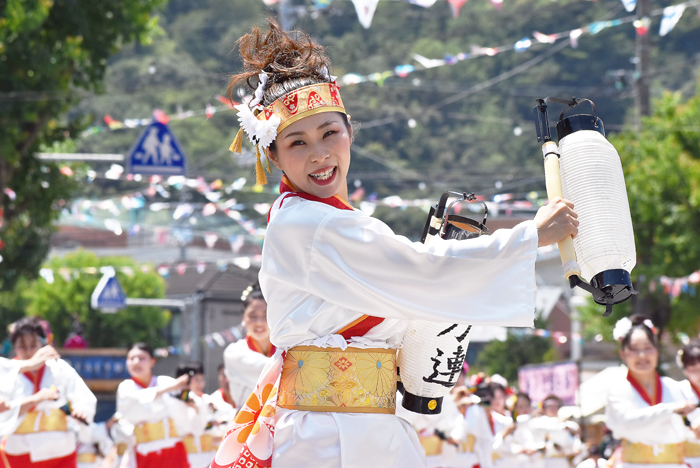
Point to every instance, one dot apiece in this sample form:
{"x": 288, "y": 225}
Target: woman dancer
{"x": 341, "y": 285}
{"x": 50, "y": 400}
{"x": 689, "y": 361}
{"x": 245, "y": 359}
{"x": 151, "y": 405}
{"x": 646, "y": 410}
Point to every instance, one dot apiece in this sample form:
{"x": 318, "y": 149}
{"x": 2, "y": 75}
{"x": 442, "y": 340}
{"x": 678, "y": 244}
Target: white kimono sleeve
{"x": 9, "y": 370}
{"x": 628, "y": 421}
{"x": 77, "y": 392}
{"x": 242, "y": 367}
{"x": 358, "y": 263}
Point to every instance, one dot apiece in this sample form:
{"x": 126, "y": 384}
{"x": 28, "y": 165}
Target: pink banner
{"x": 550, "y": 379}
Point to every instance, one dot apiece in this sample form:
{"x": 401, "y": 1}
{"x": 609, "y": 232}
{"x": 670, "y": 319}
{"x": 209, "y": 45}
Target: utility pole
{"x": 642, "y": 99}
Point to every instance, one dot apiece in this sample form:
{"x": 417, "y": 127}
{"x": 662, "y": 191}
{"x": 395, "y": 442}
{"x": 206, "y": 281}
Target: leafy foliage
{"x": 69, "y": 297}
{"x": 520, "y": 350}
{"x": 48, "y": 51}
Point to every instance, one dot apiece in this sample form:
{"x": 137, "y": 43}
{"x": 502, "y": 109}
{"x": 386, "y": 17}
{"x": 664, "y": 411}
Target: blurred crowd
{"x": 47, "y": 411}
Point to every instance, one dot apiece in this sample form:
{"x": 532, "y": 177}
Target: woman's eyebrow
{"x": 323, "y": 125}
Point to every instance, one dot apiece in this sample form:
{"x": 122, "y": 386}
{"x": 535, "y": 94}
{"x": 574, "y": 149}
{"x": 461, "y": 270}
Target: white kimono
{"x": 426, "y": 425}
{"x": 96, "y": 446}
{"x": 54, "y": 444}
{"x": 323, "y": 268}
{"x": 139, "y": 405}
{"x": 9, "y": 370}
{"x": 556, "y": 438}
{"x": 631, "y": 418}
{"x": 242, "y": 367}
{"x": 198, "y": 455}
{"x": 223, "y": 414}
{"x": 692, "y": 444}
{"x": 510, "y": 448}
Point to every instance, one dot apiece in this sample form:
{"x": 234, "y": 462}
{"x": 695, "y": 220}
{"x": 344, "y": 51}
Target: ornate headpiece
{"x": 263, "y": 124}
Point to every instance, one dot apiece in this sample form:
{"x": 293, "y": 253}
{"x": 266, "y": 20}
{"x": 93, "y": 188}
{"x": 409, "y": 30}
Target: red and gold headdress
{"x": 263, "y": 124}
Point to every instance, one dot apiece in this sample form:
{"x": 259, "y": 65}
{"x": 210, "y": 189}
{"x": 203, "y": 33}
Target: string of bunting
{"x": 674, "y": 287}
{"x": 670, "y": 17}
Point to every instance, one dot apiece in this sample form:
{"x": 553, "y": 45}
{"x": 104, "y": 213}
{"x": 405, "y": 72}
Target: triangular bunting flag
{"x": 455, "y": 6}
{"x": 365, "y": 11}
{"x": 672, "y": 14}
{"x": 423, "y": 3}
{"x": 629, "y": 4}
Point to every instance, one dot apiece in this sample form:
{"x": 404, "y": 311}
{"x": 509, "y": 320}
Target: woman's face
{"x": 139, "y": 364}
{"x": 640, "y": 355}
{"x": 523, "y": 406}
{"x": 551, "y": 408}
{"x": 314, "y": 153}
{"x": 197, "y": 384}
{"x": 27, "y": 345}
{"x": 498, "y": 402}
{"x": 255, "y": 320}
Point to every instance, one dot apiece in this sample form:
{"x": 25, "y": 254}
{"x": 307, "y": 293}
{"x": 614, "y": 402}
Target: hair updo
{"x": 640, "y": 323}
{"x": 291, "y": 61}
{"x": 690, "y": 354}
{"x": 252, "y": 293}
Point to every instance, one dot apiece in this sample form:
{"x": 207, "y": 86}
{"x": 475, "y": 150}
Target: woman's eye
{"x": 297, "y": 143}
{"x": 328, "y": 133}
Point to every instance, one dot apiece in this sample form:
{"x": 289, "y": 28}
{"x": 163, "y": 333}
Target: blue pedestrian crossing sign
{"x": 157, "y": 152}
{"x": 108, "y": 296}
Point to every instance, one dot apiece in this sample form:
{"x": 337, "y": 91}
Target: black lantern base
{"x": 421, "y": 405}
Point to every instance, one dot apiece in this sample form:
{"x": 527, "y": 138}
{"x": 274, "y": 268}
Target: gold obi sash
{"x": 468, "y": 446}
{"x": 121, "y": 449}
{"x": 332, "y": 380}
{"x": 56, "y": 420}
{"x": 692, "y": 450}
{"x": 432, "y": 445}
{"x": 87, "y": 458}
{"x": 205, "y": 442}
{"x": 148, "y": 432}
{"x": 652, "y": 454}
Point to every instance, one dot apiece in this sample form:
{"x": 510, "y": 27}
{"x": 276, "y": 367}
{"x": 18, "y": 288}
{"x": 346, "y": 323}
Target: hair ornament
{"x": 622, "y": 328}
{"x": 650, "y": 325}
{"x": 260, "y": 90}
{"x": 246, "y": 292}
{"x": 679, "y": 359}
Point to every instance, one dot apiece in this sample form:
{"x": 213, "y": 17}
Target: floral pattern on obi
{"x": 330, "y": 379}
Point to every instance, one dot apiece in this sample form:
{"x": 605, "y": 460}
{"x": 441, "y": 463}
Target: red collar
{"x": 286, "y": 188}
{"x": 695, "y": 389}
{"x": 142, "y": 384}
{"x": 254, "y": 346}
{"x": 491, "y": 423}
{"x": 36, "y": 377}
{"x": 658, "y": 390}
{"x": 227, "y": 398}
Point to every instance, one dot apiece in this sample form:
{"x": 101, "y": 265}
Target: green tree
{"x": 662, "y": 174}
{"x": 69, "y": 296}
{"x": 507, "y": 357}
{"x": 51, "y": 51}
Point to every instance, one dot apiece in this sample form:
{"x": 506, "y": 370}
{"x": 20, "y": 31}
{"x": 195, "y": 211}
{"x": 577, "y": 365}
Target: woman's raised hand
{"x": 556, "y": 221}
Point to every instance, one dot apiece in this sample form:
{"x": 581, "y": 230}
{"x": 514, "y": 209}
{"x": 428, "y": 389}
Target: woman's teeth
{"x": 323, "y": 175}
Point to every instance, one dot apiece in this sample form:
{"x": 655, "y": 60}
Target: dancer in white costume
{"x": 48, "y": 403}
{"x": 340, "y": 285}
{"x": 146, "y": 401}
{"x": 245, "y": 359}
{"x": 689, "y": 360}
{"x": 556, "y": 438}
{"x": 515, "y": 445}
{"x": 198, "y": 442}
{"x": 646, "y": 410}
